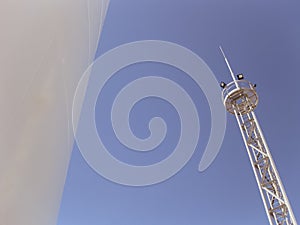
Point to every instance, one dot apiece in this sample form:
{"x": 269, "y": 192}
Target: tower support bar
{"x": 275, "y": 201}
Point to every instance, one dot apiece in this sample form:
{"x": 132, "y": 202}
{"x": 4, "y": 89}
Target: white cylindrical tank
{"x": 45, "y": 46}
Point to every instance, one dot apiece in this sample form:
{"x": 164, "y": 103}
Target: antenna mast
{"x": 240, "y": 98}
{"x": 228, "y": 65}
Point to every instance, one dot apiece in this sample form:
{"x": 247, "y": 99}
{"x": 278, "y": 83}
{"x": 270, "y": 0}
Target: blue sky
{"x": 261, "y": 40}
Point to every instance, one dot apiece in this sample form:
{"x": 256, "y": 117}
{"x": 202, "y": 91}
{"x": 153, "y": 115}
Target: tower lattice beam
{"x": 240, "y": 98}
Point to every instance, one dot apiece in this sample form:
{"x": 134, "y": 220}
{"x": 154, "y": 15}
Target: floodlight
{"x": 240, "y": 76}
{"x": 222, "y": 84}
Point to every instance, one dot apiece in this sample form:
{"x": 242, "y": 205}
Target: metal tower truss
{"x": 240, "y": 98}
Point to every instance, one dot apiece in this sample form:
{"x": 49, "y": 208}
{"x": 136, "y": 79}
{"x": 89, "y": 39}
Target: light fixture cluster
{"x": 239, "y": 77}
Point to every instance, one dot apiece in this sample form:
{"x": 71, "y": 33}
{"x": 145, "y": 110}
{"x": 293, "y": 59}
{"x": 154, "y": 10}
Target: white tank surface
{"x": 45, "y": 47}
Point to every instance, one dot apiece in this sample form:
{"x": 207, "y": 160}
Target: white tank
{"x": 45, "y": 46}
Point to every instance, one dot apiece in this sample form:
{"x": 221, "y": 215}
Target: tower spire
{"x": 228, "y": 65}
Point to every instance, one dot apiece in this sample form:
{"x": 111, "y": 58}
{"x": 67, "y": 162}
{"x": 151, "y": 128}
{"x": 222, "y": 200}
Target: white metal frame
{"x": 240, "y": 98}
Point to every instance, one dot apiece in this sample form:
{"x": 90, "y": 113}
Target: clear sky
{"x": 261, "y": 39}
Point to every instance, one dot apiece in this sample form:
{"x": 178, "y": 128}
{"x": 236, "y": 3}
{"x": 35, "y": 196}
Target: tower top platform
{"x": 240, "y": 96}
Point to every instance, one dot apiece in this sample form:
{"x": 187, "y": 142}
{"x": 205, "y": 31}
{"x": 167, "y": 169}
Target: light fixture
{"x": 222, "y": 84}
{"x": 240, "y": 76}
